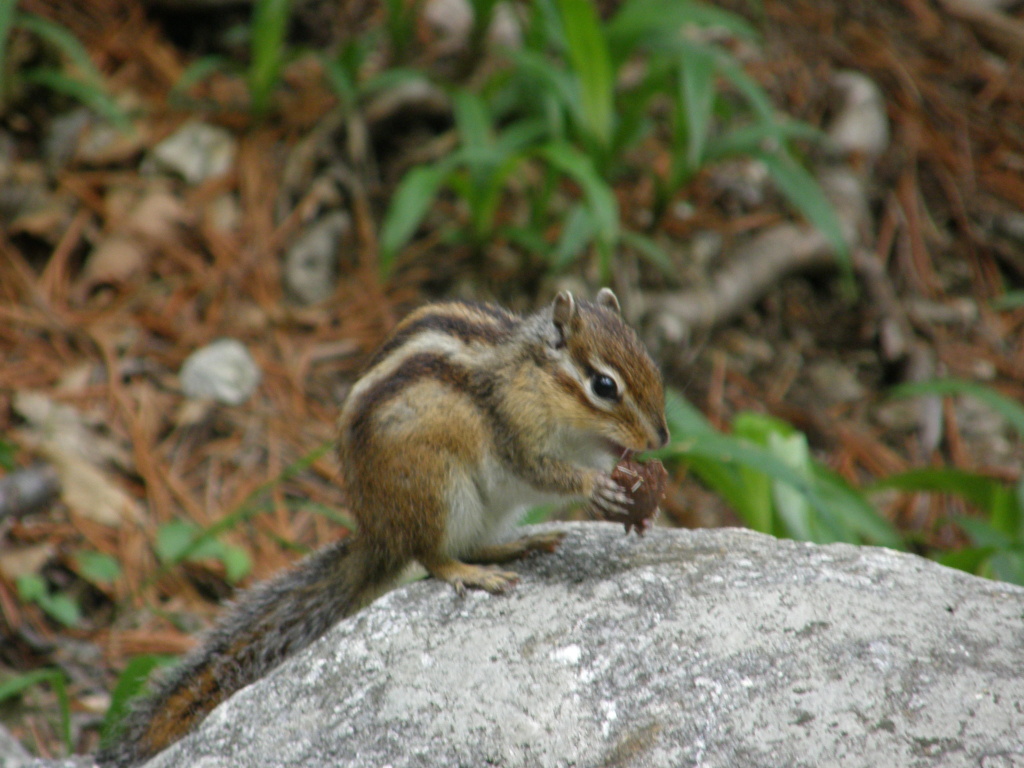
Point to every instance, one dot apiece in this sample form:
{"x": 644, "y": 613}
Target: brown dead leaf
{"x": 25, "y": 560}
{"x": 59, "y": 433}
{"x": 157, "y": 216}
{"x": 115, "y": 260}
{"x": 48, "y": 419}
{"x": 88, "y": 490}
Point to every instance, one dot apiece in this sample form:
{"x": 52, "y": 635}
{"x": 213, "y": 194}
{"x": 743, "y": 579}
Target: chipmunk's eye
{"x": 604, "y": 386}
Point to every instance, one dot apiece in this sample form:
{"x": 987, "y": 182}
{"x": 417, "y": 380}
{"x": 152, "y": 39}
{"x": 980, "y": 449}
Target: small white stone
{"x": 196, "y": 152}
{"x": 861, "y": 124}
{"x": 223, "y": 371}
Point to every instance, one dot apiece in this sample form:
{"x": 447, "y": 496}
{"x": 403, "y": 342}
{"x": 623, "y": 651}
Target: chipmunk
{"x": 464, "y": 417}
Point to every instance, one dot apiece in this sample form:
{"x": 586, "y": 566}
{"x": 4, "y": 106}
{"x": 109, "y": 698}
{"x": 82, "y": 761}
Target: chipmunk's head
{"x": 614, "y": 389}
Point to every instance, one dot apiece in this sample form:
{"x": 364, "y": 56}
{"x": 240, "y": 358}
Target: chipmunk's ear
{"x": 606, "y": 298}
{"x": 563, "y": 311}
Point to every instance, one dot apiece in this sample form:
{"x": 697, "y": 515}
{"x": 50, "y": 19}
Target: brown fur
{"x": 463, "y": 405}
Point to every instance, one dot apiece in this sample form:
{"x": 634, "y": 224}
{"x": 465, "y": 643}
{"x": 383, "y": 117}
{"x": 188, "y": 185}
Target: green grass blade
{"x": 1009, "y": 300}
{"x": 651, "y": 250}
{"x": 588, "y": 54}
{"x": 473, "y": 120}
{"x": 1009, "y": 409}
{"x": 659, "y": 25}
{"x": 14, "y": 686}
{"x": 732, "y": 451}
{"x": 409, "y": 205}
{"x": 548, "y": 78}
{"x": 6, "y": 25}
{"x": 89, "y": 94}
{"x": 695, "y": 101}
{"x": 982, "y": 534}
{"x": 971, "y": 559}
{"x": 805, "y": 194}
{"x": 577, "y": 230}
{"x": 604, "y": 208}
{"x": 87, "y": 86}
{"x": 61, "y": 39}
{"x": 1008, "y": 565}
{"x": 756, "y": 97}
{"x": 130, "y": 684}
{"x": 984, "y": 493}
{"x": 340, "y": 81}
{"x": 267, "y": 51}
{"x": 747, "y": 139}
{"x": 853, "y": 513}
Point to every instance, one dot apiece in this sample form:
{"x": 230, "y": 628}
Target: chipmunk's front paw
{"x": 609, "y": 499}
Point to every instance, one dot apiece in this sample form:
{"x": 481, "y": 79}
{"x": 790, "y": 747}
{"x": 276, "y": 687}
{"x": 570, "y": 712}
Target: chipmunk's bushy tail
{"x": 265, "y": 626}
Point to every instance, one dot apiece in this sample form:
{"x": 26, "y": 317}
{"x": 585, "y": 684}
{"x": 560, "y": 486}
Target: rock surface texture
{"x": 685, "y": 648}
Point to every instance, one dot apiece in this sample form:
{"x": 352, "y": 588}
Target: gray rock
{"x": 11, "y": 753}
{"x": 686, "y": 648}
{"x": 223, "y": 371}
{"x": 196, "y": 152}
{"x": 311, "y": 264}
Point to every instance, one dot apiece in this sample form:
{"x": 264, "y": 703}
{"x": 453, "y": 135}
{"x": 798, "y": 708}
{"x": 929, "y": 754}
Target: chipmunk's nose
{"x": 662, "y": 438}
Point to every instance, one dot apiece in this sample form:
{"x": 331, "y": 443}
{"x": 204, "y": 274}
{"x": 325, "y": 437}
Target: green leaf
{"x": 31, "y": 587}
{"x": 409, "y": 205}
{"x": 61, "y": 607}
{"x": 730, "y": 450}
{"x": 1010, "y": 410}
{"x": 790, "y": 503}
{"x": 8, "y": 450}
{"x": 237, "y": 563}
{"x": 759, "y": 427}
{"x": 588, "y": 54}
{"x": 174, "y": 540}
{"x": 684, "y": 420}
{"x": 97, "y": 567}
{"x": 14, "y": 685}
